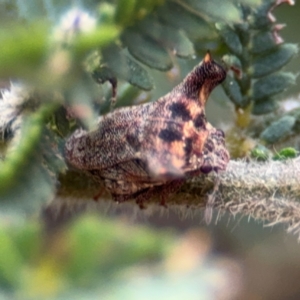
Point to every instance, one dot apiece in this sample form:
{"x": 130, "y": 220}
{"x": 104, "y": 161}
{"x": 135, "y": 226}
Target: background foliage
{"x": 65, "y": 59}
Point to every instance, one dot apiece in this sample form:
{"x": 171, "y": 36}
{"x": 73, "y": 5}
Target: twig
{"x": 268, "y": 191}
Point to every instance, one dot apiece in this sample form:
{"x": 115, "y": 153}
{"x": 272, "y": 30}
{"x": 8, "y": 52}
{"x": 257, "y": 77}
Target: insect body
{"x": 152, "y": 148}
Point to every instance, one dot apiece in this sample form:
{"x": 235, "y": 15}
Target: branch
{"x": 268, "y": 191}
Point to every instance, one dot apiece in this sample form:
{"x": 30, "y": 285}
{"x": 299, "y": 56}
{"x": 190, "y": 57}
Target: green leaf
{"x": 252, "y": 3}
{"x": 270, "y": 62}
{"x": 272, "y": 85}
{"x": 259, "y": 18}
{"x": 116, "y": 61}
{"x": 144, "y": 7}
{"x": 230, "y": 38}
{"x": 213, "y": 10}
{"x": 128, "y": 12}
{"x": 232, "y": 61}
{"x": 278, "y": 129}
{"x": 106, "y": 13}
{"x": 103, "y": 74}
{"x": 194, "y": 26}
{"x": 123, "y": 67}
{"x": 262, "y": 41}
{"x": 146, "y": 50}
{"x": 167, "y": 36}
{"x": 125, "y": 12}
{"x": 286, "y": 153}
{"x": 233, "y": 91}
{"x": 138, "y": 76}
{"x": 260, "y": 153}
{"x": 265, "y": 106}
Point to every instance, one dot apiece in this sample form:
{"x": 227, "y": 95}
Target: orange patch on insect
{"x": 177, "y": 148}
{"x": 189, "y": 131}
{"x": 203, "y": 95}
{"x": 193, "y": 108}
{"x": 200, "y": 141}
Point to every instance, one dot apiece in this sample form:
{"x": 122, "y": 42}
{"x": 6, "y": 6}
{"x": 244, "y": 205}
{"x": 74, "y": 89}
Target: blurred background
{"x": 119, "y": 252}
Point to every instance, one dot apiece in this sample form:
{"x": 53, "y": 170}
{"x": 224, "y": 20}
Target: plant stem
{"x": 267, "y": 191}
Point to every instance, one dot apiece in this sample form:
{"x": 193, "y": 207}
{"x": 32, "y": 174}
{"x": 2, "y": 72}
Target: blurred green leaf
{"x": 260, "y": 153}
{"x": 271, "y": 85}
{"x": 125, "y": 12}
{"x": 144, "y": 7}
{"x": 177, "y": 16}
{"x": 213, "y": 9}
{"x": 262, "y": 41}
{"x": 146, "y": 50}
{"x": 233, "y": 91}
{"x": 129, "y": 12}
{"x": 232, "y": 61}
{"x": 286, "y": 153}
{"x": 265, "y": 106}
{"x": 230, "y": 37}
{"x": 124, "y": 67}
{"x": 253, "y": 3}
{"x": 271, "y": 62}
{"x": 138, "y": 76}
{"x": 167, "y": 36}
{"x": 260, "y": 18}
{"x": 278, "y": 129}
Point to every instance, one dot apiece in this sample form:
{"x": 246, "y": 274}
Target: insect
{"x": 152, "y": 148}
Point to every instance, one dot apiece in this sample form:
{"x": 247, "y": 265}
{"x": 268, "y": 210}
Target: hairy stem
{"x": 268, "y": 191}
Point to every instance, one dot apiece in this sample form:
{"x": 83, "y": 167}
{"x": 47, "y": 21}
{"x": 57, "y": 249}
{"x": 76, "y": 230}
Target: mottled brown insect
{"x": 152, "y": 148}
